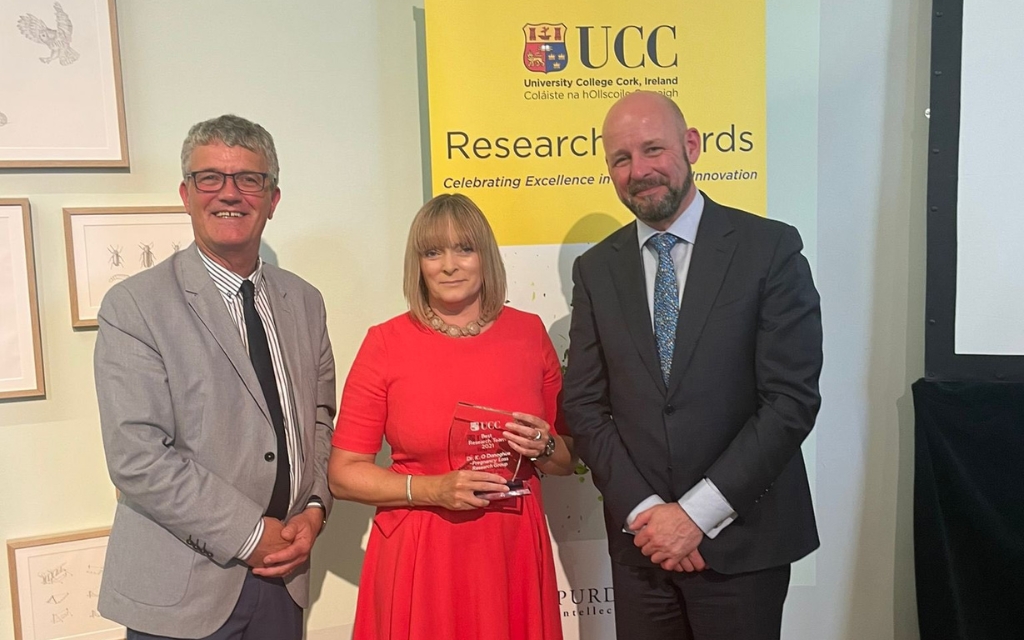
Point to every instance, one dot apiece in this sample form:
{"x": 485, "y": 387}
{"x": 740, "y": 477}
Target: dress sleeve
{"x": 552, "y": 385}
{"x": 364, "y": 401}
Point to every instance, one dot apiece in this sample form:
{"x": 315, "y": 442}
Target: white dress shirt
{"x": 703, "y": 503}
{"x": 229, "y": 285}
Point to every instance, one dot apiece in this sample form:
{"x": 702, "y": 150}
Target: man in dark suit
{"x": 215, "y": 380}
{"x": 695, "y": 350}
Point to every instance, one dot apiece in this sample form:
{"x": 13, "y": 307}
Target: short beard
{"x": 653, "y": 211}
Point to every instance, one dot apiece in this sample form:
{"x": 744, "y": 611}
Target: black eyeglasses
{"x": 245, "y": 181}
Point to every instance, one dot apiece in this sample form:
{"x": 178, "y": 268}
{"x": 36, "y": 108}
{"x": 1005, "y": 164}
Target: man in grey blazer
{"x": 216, "y": 390}
{"x": 695, "y": 350}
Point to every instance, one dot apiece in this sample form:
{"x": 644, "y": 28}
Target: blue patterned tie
{"x": 666, "y": 300}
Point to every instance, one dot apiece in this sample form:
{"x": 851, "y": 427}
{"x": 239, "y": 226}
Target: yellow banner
{"x": 518, "y": 92}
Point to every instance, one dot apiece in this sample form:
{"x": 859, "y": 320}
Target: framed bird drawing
{"x": 58, "y": 39}
{"x": 61, "y": 102}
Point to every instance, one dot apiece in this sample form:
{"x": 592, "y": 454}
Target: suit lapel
{"x": 207, "y": 302}
{"x": 712, "y": 253}
{"x": 631, "y": 288}
{"x": 291, "y": 341}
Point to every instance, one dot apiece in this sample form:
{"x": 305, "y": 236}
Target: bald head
{"x": 645, "y": 104}
{"x": 649, "y": 150}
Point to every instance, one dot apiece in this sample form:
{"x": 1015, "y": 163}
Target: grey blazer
{"x": 186, "y": 433}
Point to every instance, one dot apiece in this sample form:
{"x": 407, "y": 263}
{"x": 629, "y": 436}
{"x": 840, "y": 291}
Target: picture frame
{"x": 107, "y": 245}
{"x": 21, "y": 368}
{"x": 63, "y": 102}
{"x": 55, "y": 583}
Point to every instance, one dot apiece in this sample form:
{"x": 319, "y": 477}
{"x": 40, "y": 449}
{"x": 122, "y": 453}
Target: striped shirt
{"x": 229, "y": 284}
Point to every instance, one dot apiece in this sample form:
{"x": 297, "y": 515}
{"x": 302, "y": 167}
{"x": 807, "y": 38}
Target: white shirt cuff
{"x": 708, "y": 508}
{"x": 647, "y": 503}
{"x": 250, "y": 544}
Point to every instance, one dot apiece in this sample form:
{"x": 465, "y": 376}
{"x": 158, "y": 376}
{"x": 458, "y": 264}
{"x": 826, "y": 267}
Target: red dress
{"x": 431, "y": 573}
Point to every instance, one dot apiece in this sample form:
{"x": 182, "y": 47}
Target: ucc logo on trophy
{"x": 476, "y": 443}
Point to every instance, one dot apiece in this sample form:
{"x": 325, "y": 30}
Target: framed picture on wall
{"x": 61, "y": 103}
{"x": 55, "y": 582}
{"x": 21, "y": 351}
{"x": 105, "y": 246}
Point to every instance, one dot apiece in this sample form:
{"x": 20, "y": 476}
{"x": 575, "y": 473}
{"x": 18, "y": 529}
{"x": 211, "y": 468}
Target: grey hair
{"x": 234, "y": 131}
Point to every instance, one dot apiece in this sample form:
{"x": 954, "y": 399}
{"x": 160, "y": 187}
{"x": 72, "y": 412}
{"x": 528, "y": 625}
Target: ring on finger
{"x": 537, "y": 436}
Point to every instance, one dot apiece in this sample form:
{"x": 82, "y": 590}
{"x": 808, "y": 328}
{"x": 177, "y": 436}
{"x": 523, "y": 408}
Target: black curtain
{"x": 969, "y": 510}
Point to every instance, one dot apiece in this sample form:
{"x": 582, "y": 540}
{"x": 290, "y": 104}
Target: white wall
{"x": 337, "y": 85}
{"x": 872, "y": 155}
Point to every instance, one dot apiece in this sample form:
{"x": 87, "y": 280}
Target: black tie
{"x": 259, "y": 353}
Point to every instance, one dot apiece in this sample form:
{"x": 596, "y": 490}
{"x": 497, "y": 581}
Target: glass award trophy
{"x": 476, "y": 443}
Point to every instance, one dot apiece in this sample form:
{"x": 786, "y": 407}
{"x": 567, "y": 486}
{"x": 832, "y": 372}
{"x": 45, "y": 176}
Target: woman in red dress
{"x": 444, "y": 561}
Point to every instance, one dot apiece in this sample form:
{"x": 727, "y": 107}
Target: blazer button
{"x": 669, "y": 410}
{"x": 269, "y": 456}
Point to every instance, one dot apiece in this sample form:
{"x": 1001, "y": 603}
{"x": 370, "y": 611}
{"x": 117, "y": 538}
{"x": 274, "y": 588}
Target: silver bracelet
{"x": 408, "y": 489}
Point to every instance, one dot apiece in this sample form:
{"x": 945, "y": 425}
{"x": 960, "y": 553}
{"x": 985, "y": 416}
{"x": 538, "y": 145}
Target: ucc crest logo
{"x": 545, "y": 51}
